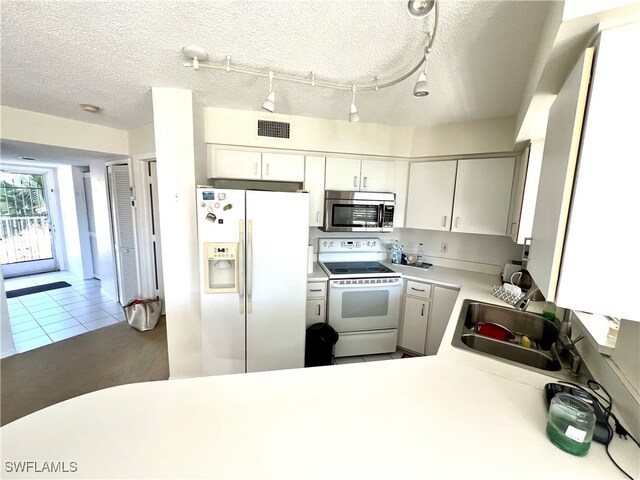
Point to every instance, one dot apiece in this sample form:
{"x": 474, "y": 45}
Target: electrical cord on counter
{"x": 622, "y": 432}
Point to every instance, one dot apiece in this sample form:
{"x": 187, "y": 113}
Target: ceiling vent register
{"x": 270, "y": 128}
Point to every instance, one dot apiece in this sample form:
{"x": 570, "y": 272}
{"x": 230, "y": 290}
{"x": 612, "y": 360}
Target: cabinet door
{"x": 401, "y": 178}
{"x": 283, "y": 167}
{"x": 315, "y": 311}
{"x": 237, "y": 164}
{"x": 599, "y": 271}
{"x": 314, "y": 184}
{"x": 556, "y": 177}
{"x": 442, "y": 305}
{"x": 342, "y": 174}
{"x": 430, "y": 198}
{"x": 414, "y": 324}
{"x": 483, "y": 193}
{"x": 377, "y": 176}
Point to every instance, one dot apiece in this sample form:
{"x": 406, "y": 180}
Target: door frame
{"x": 50, "y": 183}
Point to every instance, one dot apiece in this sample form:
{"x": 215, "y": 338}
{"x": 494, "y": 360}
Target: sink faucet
{"x": 523, "y": 303}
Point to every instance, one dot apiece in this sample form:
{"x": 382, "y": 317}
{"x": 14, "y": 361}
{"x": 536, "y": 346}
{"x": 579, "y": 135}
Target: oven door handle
{"x": 379, "y": 286}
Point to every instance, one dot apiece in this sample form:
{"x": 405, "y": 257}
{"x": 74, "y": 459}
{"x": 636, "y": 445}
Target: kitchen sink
{"x": 543, "y": 333}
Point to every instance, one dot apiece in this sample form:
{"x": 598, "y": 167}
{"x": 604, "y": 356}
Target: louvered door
{"x": 123, "y": 232}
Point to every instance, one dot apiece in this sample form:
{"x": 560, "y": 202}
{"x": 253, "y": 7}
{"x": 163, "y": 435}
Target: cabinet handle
{"x": 422, "y": 312}
{"x": 255, "y": 168}
{"x": 355, "y": 181}
{"x": 444, "y": 221}
{"x": 457, "y": 222}
{"x": 318, "y": 309}
{"x": 364, "y": 182}
{"x": 417, "y": 289}
{"x": 318, "y": 216}
{"x": 315, "y": 290}
{"x": 513, "y": 224}
{"x": 267, "y": 173}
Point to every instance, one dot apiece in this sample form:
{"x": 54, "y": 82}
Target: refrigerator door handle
{"x": 249, "y": 266}
{"x": 240, "y": 267}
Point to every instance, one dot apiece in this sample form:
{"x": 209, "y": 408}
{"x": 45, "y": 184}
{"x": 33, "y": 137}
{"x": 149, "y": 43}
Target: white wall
{"x": 238, "y": 127}
{"x": 173, "y": 116}
{"x": 491, "y": 135}
{"x": 141, "y": 140}
{"x": 7, "y": 347}
{"x": 32, "y": 127}
{"x": 67, "y": 195}
{"x": 100, "y": 196}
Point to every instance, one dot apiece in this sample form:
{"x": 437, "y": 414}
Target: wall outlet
{"x": 444, "y": 247}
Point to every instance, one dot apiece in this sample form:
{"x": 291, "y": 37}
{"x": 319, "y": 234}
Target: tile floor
{"x": 46, "y": 317}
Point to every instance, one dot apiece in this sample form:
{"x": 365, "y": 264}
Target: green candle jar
{"x": 570, "y": 424}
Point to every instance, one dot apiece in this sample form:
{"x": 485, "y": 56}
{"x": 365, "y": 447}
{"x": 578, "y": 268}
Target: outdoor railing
{"x": 24, "y": 238}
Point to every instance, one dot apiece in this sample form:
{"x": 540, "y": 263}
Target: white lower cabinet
{"x": 415, "y": 324}
{"x": 426, "y": 313}
{"x": 316, "y": 303}
{"x": 441, "y": 307}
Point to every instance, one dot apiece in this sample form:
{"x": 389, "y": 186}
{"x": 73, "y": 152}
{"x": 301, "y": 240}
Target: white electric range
{"x": 364, "y": 295}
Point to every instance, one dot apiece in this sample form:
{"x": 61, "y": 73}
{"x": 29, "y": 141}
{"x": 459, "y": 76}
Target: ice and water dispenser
{"x": 221, "y": 267}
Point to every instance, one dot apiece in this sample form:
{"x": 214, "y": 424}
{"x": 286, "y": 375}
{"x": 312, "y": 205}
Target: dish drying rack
{"x": 503, "y": 294}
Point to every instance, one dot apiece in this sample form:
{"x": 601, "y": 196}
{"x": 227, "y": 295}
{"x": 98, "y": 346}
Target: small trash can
{"x": 321, "y": 338}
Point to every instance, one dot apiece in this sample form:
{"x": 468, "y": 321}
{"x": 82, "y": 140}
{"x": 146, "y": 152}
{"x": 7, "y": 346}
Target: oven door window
{"x": 344, "y": 215}
{"x": 367, "y": 303}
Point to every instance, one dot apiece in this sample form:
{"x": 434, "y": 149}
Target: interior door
{"x": 277, "y": 240}
{"x": 88, "y": 198}
{"x": 123, "y": 232}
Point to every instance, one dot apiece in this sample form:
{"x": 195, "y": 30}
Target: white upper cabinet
{"x": 377, "y": 176}
{"x": 245, "y": 165}
{"x": 314, "y": 184}
{"x": 342, "y": 174}
{"x": 483, "y": 193}
{"x": 234, "y": 164}
{"x": 401, "y": 178}
{"x": 430, "y": 197}
{"x": 584, "y": 249}
{"x": 524, "y": 194}
{"x": 359, "y": 175}
{"x": 556, "y": 177}
{"x": 284, "y": 167}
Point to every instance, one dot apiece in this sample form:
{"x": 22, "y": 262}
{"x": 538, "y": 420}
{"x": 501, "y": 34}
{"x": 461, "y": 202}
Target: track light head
{"x": 420, "y": 8}
{"x": 421, "y": 89}
{"x": 354, "y": 116}
{"x": 270, "y": 102}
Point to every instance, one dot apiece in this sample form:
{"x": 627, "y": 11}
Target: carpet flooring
{"x": 36, "y": 289}
{"x": 110, "y": 356}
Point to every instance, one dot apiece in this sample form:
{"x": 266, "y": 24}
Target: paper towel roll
{"x": 310, "y": 260}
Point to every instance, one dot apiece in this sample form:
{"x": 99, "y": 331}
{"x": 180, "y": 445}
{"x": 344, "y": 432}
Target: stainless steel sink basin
{"x": 543, "y": 333}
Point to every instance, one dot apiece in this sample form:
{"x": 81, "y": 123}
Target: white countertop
{"x": 318, "y": 274}
{"x": 455, "y": 415}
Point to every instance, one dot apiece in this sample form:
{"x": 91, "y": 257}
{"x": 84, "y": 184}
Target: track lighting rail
{"x": 312, "y": 79}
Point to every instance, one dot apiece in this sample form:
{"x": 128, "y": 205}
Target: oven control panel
{"x": 336, "y": 245}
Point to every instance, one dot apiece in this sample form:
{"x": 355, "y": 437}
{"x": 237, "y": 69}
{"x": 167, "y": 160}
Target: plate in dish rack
{"x": 411, "y": 259}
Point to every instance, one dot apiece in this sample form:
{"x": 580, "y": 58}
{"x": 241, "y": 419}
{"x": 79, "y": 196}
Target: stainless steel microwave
{"x": 346, "y": 211}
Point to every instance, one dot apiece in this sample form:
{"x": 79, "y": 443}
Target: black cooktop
{"x": 354, "y": 268}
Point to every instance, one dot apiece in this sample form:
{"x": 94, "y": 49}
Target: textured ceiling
{"x": 58, "y": 54}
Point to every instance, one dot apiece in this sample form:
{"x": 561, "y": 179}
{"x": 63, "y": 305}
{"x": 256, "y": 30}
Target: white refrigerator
{"x": 253, "y": 271}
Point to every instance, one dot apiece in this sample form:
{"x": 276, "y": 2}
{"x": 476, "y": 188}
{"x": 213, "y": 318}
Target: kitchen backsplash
{"x": 464, "y": 250}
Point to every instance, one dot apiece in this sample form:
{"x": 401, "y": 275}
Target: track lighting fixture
{"x": 270, "y": 102}
{"x": 196, "y": 57}
{"x": 420, "y": 8}
{"x": 354, "y": 116}
{"x": 422, "y": 89}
